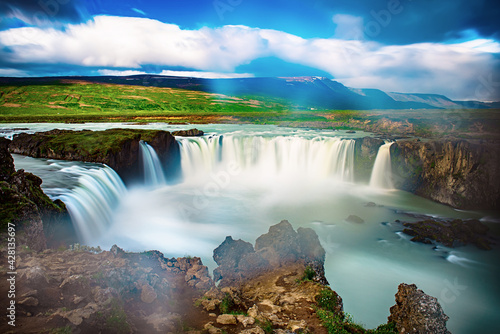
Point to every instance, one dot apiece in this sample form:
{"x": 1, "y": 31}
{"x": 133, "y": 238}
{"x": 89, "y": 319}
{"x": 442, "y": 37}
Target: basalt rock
{"x": 117, "y": 148}
{"x": 188, "y": 133}
{"x": 417, "y": 313}
{"x": 238, "y": 260}
{"x": 459, "y": 173}
{"x": 24, "y": 204}
{"x": 365, "y": 153}
{"x": 450, "y": 233}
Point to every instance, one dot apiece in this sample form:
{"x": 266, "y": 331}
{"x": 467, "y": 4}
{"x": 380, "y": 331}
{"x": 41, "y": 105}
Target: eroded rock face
{"x": 238, "y": 260}
{"x": 417, "y": 313}
{"x": 455, "y": 172}
{"x": 23, "y": 202}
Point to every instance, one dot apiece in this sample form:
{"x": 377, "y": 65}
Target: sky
{"x": 449, "y": 47}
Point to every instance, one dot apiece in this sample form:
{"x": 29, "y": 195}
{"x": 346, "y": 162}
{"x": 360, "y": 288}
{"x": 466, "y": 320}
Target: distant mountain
{"x": 299, "y": 92}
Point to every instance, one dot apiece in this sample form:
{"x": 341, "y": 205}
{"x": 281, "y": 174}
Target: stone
{"x": 255, "y": 330}
{"x": 188, "y": 133}
{"x": 245, "y": 321}
{"x": 226, "y": 319}
{"x": 148, "y": 294}
{"x": 253, "y": 311}
{"x": 354, "y": 219}
{"x": 416, "y": 312}
{"x": 28, "y": 301}
{"x": 297, "y": 325}
{"x": 76, "y": 316}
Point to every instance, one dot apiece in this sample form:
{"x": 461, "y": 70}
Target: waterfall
{"x": 382, "y": 172}
{"x": 269, "y": 157}
{"x": 92, "y": 203}
{"x": 153, "y": 171}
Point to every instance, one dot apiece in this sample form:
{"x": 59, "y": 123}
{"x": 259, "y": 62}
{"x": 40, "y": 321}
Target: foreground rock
{"x": 450, "y": 233}
{"x": 239, "y": 260}
{"x": 455, "y": 172}
{"x": 24, "y": 205}
{"x": 417, "y": 313}
{"x": 111, "y": 292}
{"x": 272, "y": 287}
{"x": 117, "y": 148}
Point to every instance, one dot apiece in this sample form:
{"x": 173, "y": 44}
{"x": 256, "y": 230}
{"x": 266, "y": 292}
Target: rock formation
{"x": 450, "y": 233}
{"x": 23, "y": 202}
{"x": 417, "y": 313}
{"x": 188, "y": 133}
{"x": 117, "y": 148}
{"x": 90, "y": 291}
{"x": 365, "y": 153}
{"x": 455, "y": 172}
{"x": 281, "y": 246}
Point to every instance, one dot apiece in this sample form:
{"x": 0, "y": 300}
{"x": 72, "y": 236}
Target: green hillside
{"x": 86, "y": 101}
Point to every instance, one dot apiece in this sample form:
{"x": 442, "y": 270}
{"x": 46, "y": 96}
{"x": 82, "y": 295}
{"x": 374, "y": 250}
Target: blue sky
{"x": 448, "y": 47}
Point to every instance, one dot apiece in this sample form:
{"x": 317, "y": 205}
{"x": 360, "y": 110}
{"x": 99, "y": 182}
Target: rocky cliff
{"x": 459, "y": 173}
{"x": 117, "y": 148}
{"x": 24, "y": 204}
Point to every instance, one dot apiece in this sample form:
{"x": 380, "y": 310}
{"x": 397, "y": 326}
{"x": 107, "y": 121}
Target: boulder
{"x": 354, "y": 219}
{"x": 282, "y": 245}
{"x": 416, "y": 312}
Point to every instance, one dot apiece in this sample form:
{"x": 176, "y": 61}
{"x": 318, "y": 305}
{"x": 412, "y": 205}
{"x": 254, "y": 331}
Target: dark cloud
{"x": 41, "y": 12}
{"x": 421, "y": 20}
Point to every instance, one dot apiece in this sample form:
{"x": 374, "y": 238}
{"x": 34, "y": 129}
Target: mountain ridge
{"x": 306, "y": 92}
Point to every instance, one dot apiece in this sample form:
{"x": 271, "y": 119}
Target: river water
{"x": 240, "y": 179}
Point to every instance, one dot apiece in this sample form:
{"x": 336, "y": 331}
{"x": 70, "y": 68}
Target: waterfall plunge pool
{"x": 263, "y": 174}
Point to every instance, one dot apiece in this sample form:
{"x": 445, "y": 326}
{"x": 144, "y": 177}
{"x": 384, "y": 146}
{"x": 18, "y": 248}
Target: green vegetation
{"x": 308, "y": 275}
{"x": 84, "y": 101}
{"x": 226, "y": 304}
{"x": 62, "y": 330}
{"x": 267, "y": 326}
{"x": 338, "y": 322}
{"x": 115, "y": 319}
{"x": 327, "y": 300}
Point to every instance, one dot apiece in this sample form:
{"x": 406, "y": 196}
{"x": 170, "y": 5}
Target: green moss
{"x": 327, "y": 300}
{"x": 339, "y": 322}
{"x": 116, "y": 318}
{"x": 226, "y": 304}
{"x": 62, "y": 330}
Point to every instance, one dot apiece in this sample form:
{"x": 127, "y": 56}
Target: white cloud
{"x": 206, "y": 75}
{"x": 119, "y": 73}
{"x": 348, "y": 26}
{"x": 11, "y": 72}
{"x": 124, "y": 42}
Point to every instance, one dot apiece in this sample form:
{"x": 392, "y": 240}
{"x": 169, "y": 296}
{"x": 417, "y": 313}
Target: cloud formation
{"x": 109, "y": 42}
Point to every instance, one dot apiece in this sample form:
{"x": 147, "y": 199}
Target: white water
{"x": 382, "y": 172}
{"x": 261, "y": 175}
{"x": 267, "y": 159}
{"x": 153, "y": 171}
{"x": 92, "y": 203}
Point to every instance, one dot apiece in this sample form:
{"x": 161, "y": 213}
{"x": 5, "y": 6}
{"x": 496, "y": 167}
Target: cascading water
{"x": 153, "y": 171}
{"x": 92, "y": 203}
{"x": 269, "y": 157}
{"x": 382, "y": 172}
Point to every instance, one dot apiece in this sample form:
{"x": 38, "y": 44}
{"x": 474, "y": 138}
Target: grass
{"x": 337, "y": 322}
{"x": 95, "y": 102}
{"x": 226, "y": 304}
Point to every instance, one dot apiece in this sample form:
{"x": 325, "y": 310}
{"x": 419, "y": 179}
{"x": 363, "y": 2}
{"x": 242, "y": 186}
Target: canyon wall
{"x": 458, "y": 173}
